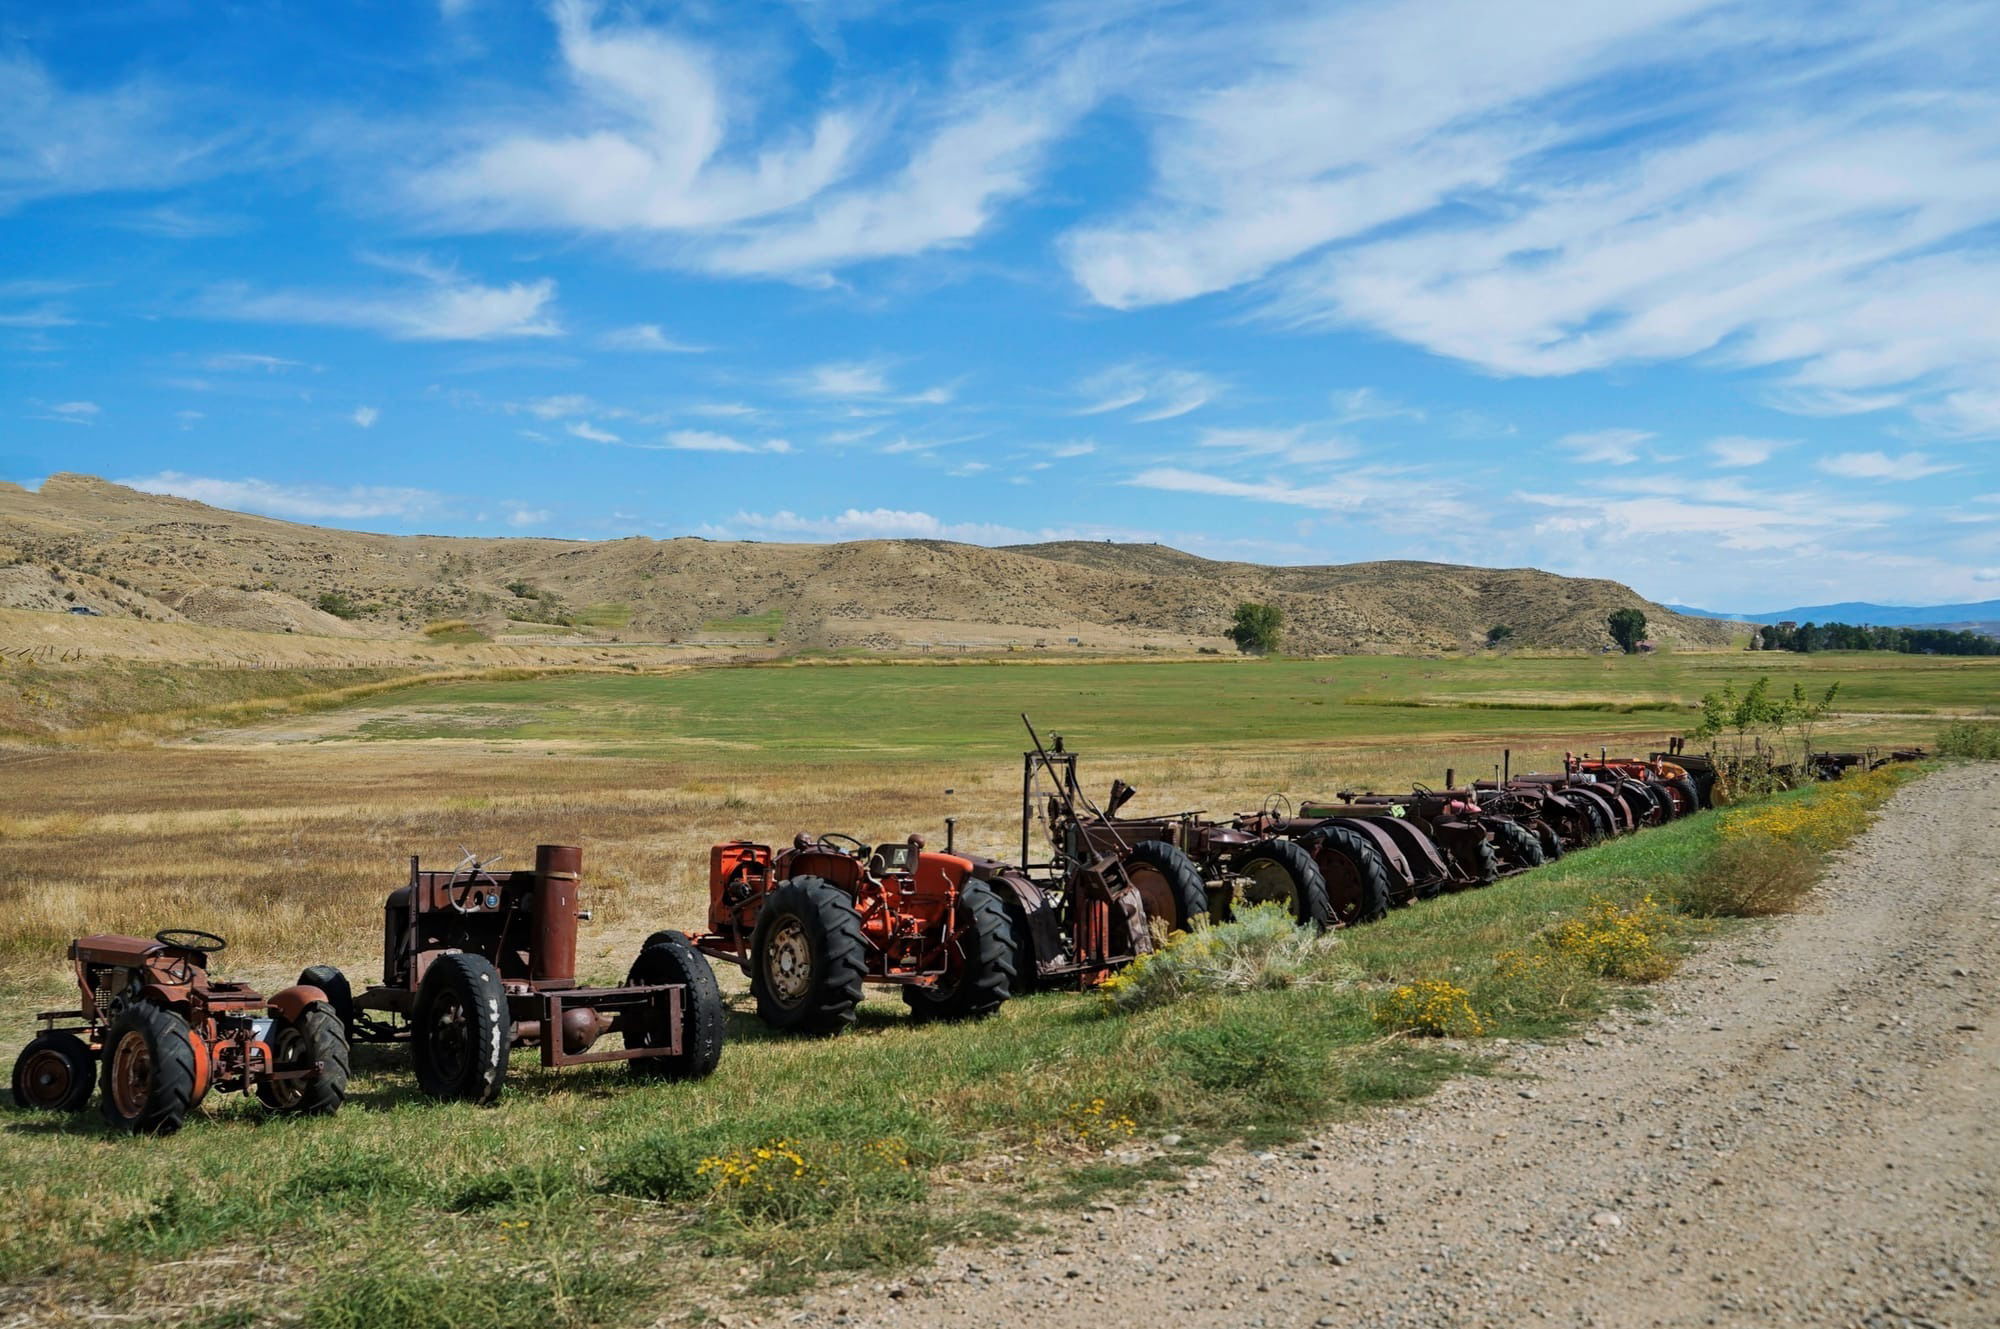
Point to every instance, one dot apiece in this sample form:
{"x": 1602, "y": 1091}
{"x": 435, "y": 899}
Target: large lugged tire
{"x": 1482, "y": 863}
{"x": 986, "y": 977}
{"x": 461, "y": 1033}
{"x": 1282, "y": 872}
{"x": 148, "y": 1071}
{"x": 316, "y": 1036}
{"x": 54, "y": 1073}
{"x": 1551, "y": 841}
{"x": 669, "y": 957}
{"x": 807, "y": 961}
{"x": 1170, "y": 884}
{"x": 1600, "y": 822}
{"x": 1691, "y": 797}
{"x": 1518, "y": 845}
{"x": 339, "y": 992}
{"x": 1357, "y": 880}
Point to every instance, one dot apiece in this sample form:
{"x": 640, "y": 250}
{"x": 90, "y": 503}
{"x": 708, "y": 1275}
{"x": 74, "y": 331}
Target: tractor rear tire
{"x": 1523, "y": 849}
{"x": 148, "y": 1081}
{"x": 807, "y": 960}
{"x": 1600, "y": 827}
{"x": 669, "y": 957}
{"x": 1690, "y": 797}
{"x": 1170, "y": 883}
{"x": 339, "y": 992}
{"x": 987, "y": 980}
{"x": 56, "y": 1072}
{"x": 1662, "y": 801}
{"x": 1484, "y": 865}
{"x": 316, "y": 1036}
{"x": 461, "y": 1032}
{"x": 1359, "y": 890}
{"x": 1282, "y": 869}
{"x": 1552, "y": 843}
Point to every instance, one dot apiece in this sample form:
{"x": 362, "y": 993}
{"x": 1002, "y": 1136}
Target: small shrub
{"x": 1094, "y": 1122}
{"x": 1969, "y": 738}
{"x": 1431, "y": 1007}
{"x": 1260, "y": 948}
{"x": 1617, "y": 941}
{"x": 526, "y": 1184}
{"x": 1749, "y": 876}
{"x": 784, "y": 1179}
{"x": 337, "y": 604}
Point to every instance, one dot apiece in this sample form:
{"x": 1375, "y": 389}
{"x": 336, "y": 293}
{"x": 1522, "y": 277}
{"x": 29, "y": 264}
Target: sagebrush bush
{"x": 1260, "y": 948}
{"x": 1970, "y": 738}
{"x": 1749, "y": 876}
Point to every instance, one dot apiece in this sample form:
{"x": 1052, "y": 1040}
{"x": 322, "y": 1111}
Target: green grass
{"x": 766, "y": 624}
{"x": 835, "y": 712}
{"x": 398, "y": 1211}
{"x": 604, "y": 614}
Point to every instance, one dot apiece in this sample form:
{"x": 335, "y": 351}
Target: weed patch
{"x": 1260, "y": 949}
{"x": 1430, "y": 1007}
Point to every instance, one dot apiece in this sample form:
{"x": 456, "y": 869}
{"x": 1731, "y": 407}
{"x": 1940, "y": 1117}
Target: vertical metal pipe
{"x": 552, "y": 956}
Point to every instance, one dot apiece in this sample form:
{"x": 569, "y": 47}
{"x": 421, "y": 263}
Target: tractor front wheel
{"x": 460, "y": 1032}
{"x": 670, "y": 958}
{"x": 1169, "y": 883}
{"x": 1357, "y": 880}
{"x": 1280, "y": 872}
{"x": 979, "y": 962}
{"x": 316, "y": 1038}
{"x": 339, "y": 992}
{"x": 54, "y": 1073}
{"x": 1522, "y": 849}
{"x": 807, "y": 961}
{"x": 149, "y": 1075}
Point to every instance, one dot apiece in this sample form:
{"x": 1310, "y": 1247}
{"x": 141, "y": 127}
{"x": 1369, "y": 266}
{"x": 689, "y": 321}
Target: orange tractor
{"x": 810, "y": 925}
{"x": 158, "y": 1033}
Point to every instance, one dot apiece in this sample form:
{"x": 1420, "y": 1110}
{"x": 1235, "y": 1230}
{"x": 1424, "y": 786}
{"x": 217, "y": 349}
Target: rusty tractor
{"x": 1666, "y": 783}
{"x": 477, "y": 963}
{"x": 812, "y": 924}
{"x": 1185, "y": 865}
{"x": 156, "y": 1033}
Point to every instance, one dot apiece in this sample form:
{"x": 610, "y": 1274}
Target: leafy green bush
{"x": 1970, "y": 738}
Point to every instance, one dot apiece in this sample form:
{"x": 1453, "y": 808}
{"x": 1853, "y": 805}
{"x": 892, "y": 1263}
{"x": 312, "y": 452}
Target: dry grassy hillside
{"x": 81, "y": 540}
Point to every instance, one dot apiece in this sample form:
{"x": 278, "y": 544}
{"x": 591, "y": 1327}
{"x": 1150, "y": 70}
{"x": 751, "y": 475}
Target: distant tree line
{"x": 1862, "y": 637}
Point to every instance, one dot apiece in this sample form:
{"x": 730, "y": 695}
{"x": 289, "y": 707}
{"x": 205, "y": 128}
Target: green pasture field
{"x": 941, "y": 712}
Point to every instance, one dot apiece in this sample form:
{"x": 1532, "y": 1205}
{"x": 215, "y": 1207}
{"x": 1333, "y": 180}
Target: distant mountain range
{"x": 1860, "y": 611}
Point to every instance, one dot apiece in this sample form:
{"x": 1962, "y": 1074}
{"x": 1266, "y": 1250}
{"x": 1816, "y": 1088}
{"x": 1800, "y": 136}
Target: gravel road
{"x": 1801, "y": 1132}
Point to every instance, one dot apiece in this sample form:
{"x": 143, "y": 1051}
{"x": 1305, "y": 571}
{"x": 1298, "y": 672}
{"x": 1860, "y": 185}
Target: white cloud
{"x": 589, "y": 432}
{"x": 702, "y": 440}
{"x": 527, "y": 516}
{"x": 662, "y": 135}
{"x": 1736, "y": 450}
{"x": 1358, "y": 404}
{"x": 43, "y": 316}
{"x": 876, "y": 524}
{"x": 1811, "y": 196}
{"x": 1881, "y": 466}
{"x": 303, "y": 502}
{"x": 58, "y": 141}
{"x": 724, "y": 410}
{"x": 365, "y": 416}
{"x": 189, "y": 419}
{"x": 1291, "y": 446}
{"x": 1080, "y": 448}
{"x": 560, "y": 407}
{"x": 443, "y": 306}
{"x": 82, "y": 410}
{"x": 226, "y": 361}
{"x": 1160, "y": 394}
{"x": 848, "y": 378}
{"x": 1610, "y": 447}
{"x": 645, "y": 337}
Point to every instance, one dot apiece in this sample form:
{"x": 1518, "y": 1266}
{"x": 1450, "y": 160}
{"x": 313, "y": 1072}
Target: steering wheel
{"x": 466, "y": 890}
{"x": 1280, "y": 805}
{"x": 828, "y": 837}
{"x": 190, "y": 939}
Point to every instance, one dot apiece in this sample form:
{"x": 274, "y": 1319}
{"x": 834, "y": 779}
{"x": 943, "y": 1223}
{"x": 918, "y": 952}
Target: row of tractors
{"x": 478, "y": 963}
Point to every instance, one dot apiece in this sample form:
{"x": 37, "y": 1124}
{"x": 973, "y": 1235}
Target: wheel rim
{"x": 1343, "y": 885}
{"x": 48, "y": 1076}
{"x": 1154, "y": 890}
{"x": 132, "y": 1074}
{"x": 450, "y": 1037}
{"x": 788, "y": 962}
{"x": 288, "y": 1054}
{"x": 1269, "y": 883}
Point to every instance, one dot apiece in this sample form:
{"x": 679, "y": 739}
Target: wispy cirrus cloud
{"x": 1148, "y": 392}
{"x": 1881, "y": 466}
{"x": 1735, "y": 451}
{"x": 1610, "y": 447}
{"x": 300, "y": 502}
{"x": 646, "y": 337}
{"x": 441, "y": 305}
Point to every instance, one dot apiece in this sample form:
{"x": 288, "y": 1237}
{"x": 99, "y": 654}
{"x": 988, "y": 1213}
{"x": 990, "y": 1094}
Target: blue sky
{"x": 1703, "y": 297}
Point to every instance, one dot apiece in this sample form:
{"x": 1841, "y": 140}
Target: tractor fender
{"x": 290, "y": 1004}
{"x": 1421, "y": 862}
{"x": 1027, "y": 904}
{"x": 1376, "y": 831}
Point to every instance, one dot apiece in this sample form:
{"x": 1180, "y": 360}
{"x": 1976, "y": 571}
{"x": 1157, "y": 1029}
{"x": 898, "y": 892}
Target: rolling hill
{"x": 82, "y": 541}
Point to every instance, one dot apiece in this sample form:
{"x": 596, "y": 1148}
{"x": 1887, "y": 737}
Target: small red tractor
{"x": 158, "y": 1033}
{"x": 811, "y": 924}
{"x": 477, "y": 963}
